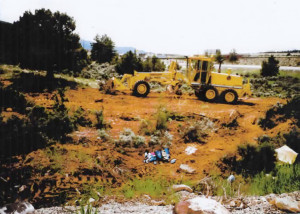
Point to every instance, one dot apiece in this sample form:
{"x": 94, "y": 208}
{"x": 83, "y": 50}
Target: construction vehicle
{"x": 208, "y": 85}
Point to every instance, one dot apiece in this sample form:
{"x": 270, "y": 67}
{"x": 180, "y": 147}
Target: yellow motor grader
{"x": 208, "y": 85}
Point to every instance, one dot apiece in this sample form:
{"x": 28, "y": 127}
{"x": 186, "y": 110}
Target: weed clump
{"x": 103, "y": 135}
{"x": 100, "y": 122}
{"x": 198, "y": 131}
{"x": 80, "y": 118}
{"x": 161, "y": 138}
{"x": 146, "y": 127}
{"x": 162, "y": 116}
{"x": 128, "y": 139}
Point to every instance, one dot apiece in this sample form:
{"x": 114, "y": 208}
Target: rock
{"x": 287, "y": 203}
{"x": 187, "y": 168}
{"x": 182, "y": 187}
{"x": 17, "y": 208}
{"x": 182, "y": 207}
{"x": 190, "y": 150}
{"x": 200, "y": 205}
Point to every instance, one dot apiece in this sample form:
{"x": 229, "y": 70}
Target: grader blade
{"x": 108, "y": 87}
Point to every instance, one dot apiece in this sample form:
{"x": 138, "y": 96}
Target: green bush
{"x": 80, "y": 117}
{"x": 284, "y": 178}
{"x": 162, "y": 118}
{"x": 255, "y": 159}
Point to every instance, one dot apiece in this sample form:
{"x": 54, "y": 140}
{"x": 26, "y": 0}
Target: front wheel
{"x": 211, "y": 94}
{"x": 141, "y": 89}
{"x": 230, "y": 96}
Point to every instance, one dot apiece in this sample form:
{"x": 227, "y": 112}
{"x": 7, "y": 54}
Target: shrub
{"x": 162, "y": 117}
{"x": 198, "y": 131}
{"x": 128, "y": 139}
{"x": 146, "y": 127}
{"x": 80, "y": 117}
{"x": 255, "y": 159}
{"x": 161, "y": 138}
{"x": 103, "y": 135}
{"x": 100, "y": 122}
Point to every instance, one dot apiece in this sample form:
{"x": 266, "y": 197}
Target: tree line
{"x": 44, "y": 40}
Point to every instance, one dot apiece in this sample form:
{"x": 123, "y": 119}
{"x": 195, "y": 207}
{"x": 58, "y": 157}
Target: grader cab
{"x": 208, "y": 85}
{"x": 211, "y": 86}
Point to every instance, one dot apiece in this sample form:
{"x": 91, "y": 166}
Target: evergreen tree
{"x": 46, "y": 41}
{"x": 233, "y": 58}
{"x": 220, "y": 59}
{"x": 103, "y": 49}
{"x": 270, "y": 68}
{"x": 129, "y": 63}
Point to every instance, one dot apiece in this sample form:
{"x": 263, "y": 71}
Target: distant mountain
{"x": 120, "y": 50}
{"x": 87, "y": 45}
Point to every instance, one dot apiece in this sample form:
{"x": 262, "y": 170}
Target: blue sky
{"x": 183, "y": 27}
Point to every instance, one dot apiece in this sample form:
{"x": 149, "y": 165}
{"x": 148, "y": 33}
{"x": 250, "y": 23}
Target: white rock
{"x": 207, "y": 205}
{"x": 287, "y": 203}
{"x": 187, "y": 168}
{"x": 190, "y": 150}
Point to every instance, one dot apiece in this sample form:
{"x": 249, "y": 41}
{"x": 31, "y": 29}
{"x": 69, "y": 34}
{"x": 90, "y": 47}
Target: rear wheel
{"x": 211, "y": 94}
{"x": 141, "y": 89}
{"x": 230, "y": 96}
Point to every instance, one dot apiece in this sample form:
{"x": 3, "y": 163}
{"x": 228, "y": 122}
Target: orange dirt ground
{"x": 219, "y": 143}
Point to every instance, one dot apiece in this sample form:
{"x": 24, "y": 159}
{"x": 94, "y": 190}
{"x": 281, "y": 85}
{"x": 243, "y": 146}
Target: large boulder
{"x": 286, "y": 203}
{"x": 200, "y": 205}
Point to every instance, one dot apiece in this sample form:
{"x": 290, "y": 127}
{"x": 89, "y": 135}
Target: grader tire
{"x": 229, "y": 96}
{"x": 141, "y": 89}
{"x": 211, "y": 94}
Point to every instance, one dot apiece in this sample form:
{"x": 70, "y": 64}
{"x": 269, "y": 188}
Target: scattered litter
{"x": 190, "y": 150}
{"x": 173, "y": 161}
{"x": 231, "y": 178}
{"x": 286, "y": 154}
{"x": 158, "y": 155}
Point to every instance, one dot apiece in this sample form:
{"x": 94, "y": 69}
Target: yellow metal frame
{"x": 220, "y": 81}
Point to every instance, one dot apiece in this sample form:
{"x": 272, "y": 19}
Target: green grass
{"x": 284, "y": 178}
{"x": 290, "y": 73}
{"x": 158, "y": 188}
